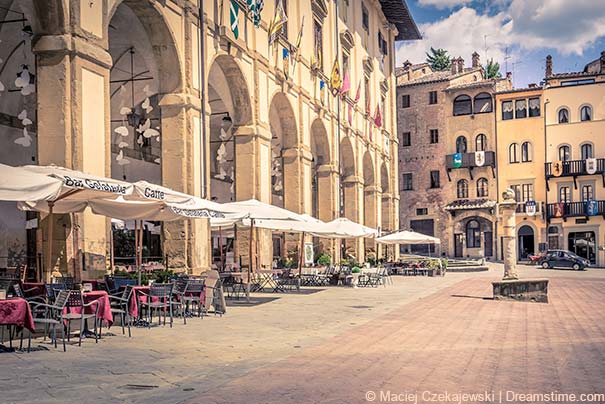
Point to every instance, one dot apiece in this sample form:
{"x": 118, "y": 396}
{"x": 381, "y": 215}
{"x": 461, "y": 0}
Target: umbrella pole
{"x": 49, "y": 258}
{"x": 111, "y": 246}
{"x": 300, "y": 252}
{"x": 140, "y": 248}
{"x": 250, "y": 250}
{"x": 220, "y": 246}
{"x": 136, "y": 246}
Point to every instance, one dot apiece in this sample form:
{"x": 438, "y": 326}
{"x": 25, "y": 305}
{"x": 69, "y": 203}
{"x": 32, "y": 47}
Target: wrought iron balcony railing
{"x": 572, "y": 168}
{"x": 574, "y": 209}
{"x": 469, "y": 161}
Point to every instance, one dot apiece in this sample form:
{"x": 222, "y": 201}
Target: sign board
{"x": 309, "y": 253}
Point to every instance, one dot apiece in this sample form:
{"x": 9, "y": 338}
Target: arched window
{"x": 480, "y": 142}
{"x": 482, "y": 103}
{"x": 482, "y": 188}
{"x": 526, "y": 152}
{"x": 564, "y": 195}
{"x": 586, "y": 151}
{"x": 463, "y": 105}
{"x": 461, "y": 144}
{"x": 462, "y": 189}
{"x": 563, "y": 115}
{"x": 473, "y": 234}
{"x": 585, "y": 113}
{"x": 564, "y": 153}
{"x": 513, "y": 153}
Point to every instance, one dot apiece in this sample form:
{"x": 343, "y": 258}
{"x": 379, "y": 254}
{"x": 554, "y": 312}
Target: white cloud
{"x": 442, "y": 4}
{"x": 570, "y": 27}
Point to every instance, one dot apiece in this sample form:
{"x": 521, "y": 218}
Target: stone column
{"x": 73, "y": 127}
{"x": 327, "y": 204}
{"x": 506, "y": 210}
{"x": 372, "y": 203}
{"x": 353, "y": 193}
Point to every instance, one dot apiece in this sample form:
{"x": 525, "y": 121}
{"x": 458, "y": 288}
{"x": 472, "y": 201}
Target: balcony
{"x": 572, "y": 168}
{"x": 522, "y": 208}
{"x": 468, "y": 162}
{"x": 572, "y": 209}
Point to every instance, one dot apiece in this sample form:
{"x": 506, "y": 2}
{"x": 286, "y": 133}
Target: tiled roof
{"x": 466, "y": 204}
{"x": 435, "y": 77}
{"x": 473, "y": 84}
{"x": 519, "y": 90}
{"x": 569, "y": 74}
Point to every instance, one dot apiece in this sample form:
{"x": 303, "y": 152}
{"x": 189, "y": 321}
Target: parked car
{"x": 563, "y": 259}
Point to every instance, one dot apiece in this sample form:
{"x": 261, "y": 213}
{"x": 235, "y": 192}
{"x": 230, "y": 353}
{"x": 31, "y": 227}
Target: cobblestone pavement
{"x": 334, "y": 345}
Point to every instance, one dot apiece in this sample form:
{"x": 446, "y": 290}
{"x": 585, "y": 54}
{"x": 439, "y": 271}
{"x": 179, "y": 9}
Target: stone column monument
{"x": 511, "y": 287}
{"x": 506, "y": 210}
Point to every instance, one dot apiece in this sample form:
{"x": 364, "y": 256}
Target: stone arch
{"x": 323, "y": 173}
{"x": 286, "y": 170}
{"x": 386, "y": 202}
{"x": 162, "y": 39}
{"x": 368, "y": 169}
{"x": 230, "y": 107}
{"x": 348, "y": 166}
{"x": 385, "y": 182}
{"x": 371, "y": 200}
{"x": 49, "y": 17}
{"x": 526, "y": 240}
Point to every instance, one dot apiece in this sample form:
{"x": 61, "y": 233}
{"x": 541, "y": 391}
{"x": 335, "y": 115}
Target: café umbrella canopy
{"x": 17, "y": 184}
{"x": 408, "y": 237}
{"x": 344, "y": 228}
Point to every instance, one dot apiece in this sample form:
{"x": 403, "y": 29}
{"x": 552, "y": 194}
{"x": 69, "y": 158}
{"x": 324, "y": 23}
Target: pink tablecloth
{"x": 102, "y": 298}
{"x": 16, "y": 312}
{"x": 137, "y": 296}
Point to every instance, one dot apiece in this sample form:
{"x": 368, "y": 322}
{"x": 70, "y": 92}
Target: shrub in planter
{"x": 324, "y": 260}
{"x": 355, "y": 270}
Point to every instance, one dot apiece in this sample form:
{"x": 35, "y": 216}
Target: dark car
{"x": 563, "y": 259}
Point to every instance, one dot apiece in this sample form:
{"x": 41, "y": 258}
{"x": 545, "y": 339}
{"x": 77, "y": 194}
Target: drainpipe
{"x": 495, "y": 109}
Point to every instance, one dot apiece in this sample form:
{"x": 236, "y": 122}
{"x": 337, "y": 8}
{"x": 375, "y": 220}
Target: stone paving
{"x": 335, "y": 345}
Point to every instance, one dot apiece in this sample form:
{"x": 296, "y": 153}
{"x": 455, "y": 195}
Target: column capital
{"x": 67, "y": 44}
{"x": 180, "y": 100}
{"x": 327, "y": 169}
{"x": 353, "y": 180}
{"x": 295, "y": 152}
{"x": 373, "y": 189}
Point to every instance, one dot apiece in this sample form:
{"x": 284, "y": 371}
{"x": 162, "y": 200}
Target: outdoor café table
{"x": 103, "y": 313}
{"x": 16, "y": 312}
{"x": 93, "y": 282}
{"x": 267, "y": 278}
{"x": 134, "y": 300}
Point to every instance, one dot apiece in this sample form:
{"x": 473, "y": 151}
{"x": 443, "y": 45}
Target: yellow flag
{"x": 335, "y": 80}
{"x": 278, "y": 22}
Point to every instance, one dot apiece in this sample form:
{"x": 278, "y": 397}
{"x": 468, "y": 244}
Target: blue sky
{"x": 517, "y": 33}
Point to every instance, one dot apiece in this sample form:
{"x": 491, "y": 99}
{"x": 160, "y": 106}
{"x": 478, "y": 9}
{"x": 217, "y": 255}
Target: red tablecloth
{"x": 16, "y": 311}
{"x": 102, "y": 298}
{"x": 39, "y": 289}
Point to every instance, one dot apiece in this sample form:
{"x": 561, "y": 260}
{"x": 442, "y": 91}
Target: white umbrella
{"x": 344, "y": 228}
{"x": 17, "y": 184}
{"x": 408, "y": 237}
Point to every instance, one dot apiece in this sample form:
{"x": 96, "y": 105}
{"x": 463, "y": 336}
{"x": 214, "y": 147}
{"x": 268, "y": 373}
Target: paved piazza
{"x": 404, "y": 343}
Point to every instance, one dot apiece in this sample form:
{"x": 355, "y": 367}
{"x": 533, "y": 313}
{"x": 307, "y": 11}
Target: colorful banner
{"x": 479, "y": 158}
{"x": 592, "y": 208}
{"x": 457, "y": 160}
{"x": 234, "y": 18}
{"x": 530, "y": 208}
{"x": 557, "y": 168}
{"x": 591, "y": 166}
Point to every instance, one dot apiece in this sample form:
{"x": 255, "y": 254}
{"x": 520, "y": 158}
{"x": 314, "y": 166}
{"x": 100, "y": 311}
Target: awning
{"x": 467, "y": 204}
{"x": 408, "y": 237}
{"x": 344, "y": 228}
{"x": 17, "y": 184}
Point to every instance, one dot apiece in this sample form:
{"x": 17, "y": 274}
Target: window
{"x": 513, "y": 153}
{"x": 461, "y": 144}
{"x": 462, "y": 189}
{"x": 520, "y": 109}
{"x": 483, "y": 103}
{"x": 586, "y": 151}
{"x": 527, "y": 192}
{"x": 433, "y": 97}
{"x": 365, "y": 18}
{"x": 435, "y": 179}
{"x": 564, "y": 153}
{"x": 422, "y": 211}
{"x": 576, "y": 82}
{"x": 517, "y": 190}
{"x": 318, "y": 45}
{"x": 434, "y": 133}
{"x": 405, "y": 101}
{"x": 587, "y": 193}
{"x": 406, "y": 139}
{"x": 462, "y": 105}
{"x": 563, "y": 115}
{"x": 407, "y": 182}
{"x": 473, "y": 234}
{"x": 507, "y": 110}
{"x": 482, "y": 188}
{"x": 382, "y": 44}
{"x": 480, "y": 142}
{"x": 534, "y": 107}
{"x": 526, "y": 152}
{"x": 585, "y": 113}
{"x": 564, "y": 195}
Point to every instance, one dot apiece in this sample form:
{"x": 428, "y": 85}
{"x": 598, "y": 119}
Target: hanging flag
{"x": 530, "y": 208}
{"x": 234, "y": 17}
{"x": 278, "y": 22}
{"x": 457, "y": 160}
{"x": 254, "y": 9}
{"x": 479, "y": 158}
{"x": 286, "y": 61}
{"x": 591, "y": 165}
{"x": 350, "y": 117}
{"x": 297, "y": 45}
{"x": 346, "y": 84}
{"x": 368, "y": 106}
{"x": 322, "y": 90}
{"x": 592, "y": 208}
{"x": 335, "y": 80}
{"x": 559, "y": 209}
{"x": 358, "y": 94}
{"x": 378, "y": 116}
{"x": 557, "y": 168}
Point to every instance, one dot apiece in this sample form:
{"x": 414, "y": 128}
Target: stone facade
{"x": 159, "y": 91}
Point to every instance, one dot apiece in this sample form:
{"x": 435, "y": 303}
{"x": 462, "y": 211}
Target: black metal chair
{"x": 193, "y": 296}
{"x": 51, "y": 316}
{"x": 120, "y": 306}
{"x": 76, "y": 301}
{"x": 159, "y": 298}
{"x": 178, "y": 290}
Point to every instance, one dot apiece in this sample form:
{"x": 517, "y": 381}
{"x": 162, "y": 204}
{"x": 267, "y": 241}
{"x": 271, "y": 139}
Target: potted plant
{"x": 355, "y": 272}
{"x": 324, "y": 260}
